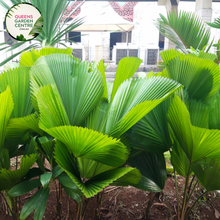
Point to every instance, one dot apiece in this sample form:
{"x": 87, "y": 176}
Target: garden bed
{"x": 125, "y": 203}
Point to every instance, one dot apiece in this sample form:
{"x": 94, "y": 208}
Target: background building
{"x": 143, "y": 41}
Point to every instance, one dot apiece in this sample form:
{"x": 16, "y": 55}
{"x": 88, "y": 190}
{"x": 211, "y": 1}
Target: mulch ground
{"x": 126, "y": 203}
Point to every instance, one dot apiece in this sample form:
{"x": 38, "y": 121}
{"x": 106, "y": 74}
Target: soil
{"x": 126, "y": 203}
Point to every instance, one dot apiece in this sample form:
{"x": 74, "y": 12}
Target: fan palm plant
{"x": 54, "y": 26}
{"x": 185, "y": 30}
{"x": 185, "y": 132}
{"x": 19, "y": 126}
{"x": 85, "y": 127}
{"x": 81, "y": 120}
{"x": 17, "y": 123}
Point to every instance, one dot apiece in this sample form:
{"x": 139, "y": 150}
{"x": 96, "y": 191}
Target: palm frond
{"x": 208, "y": 56}
{"x": 78, "y": 90}
{"x": 199, "y": 76}
{"x": 83, "y": 142}
{"x": 133, "y": 100}
{"x": 94, "y": 185}
{"x": 153, "y": 169}
{"x": 52, "y": 12}
{"x": 198, "y": 110}
{"x": 11, "y": 178}
{"x": 184, "y": 29}
{"x": 193, "y": 140}
{"x": 18, "y": 80}
{"x": 89, "y": 168}
{"x": 126, "y": 69}
{"x": 101, "y": 69}
{"x": 170, "y": 54}
{"x": 6, "y": 108}
{"x": 207, "y": 173}
{"x": 214, "y": 113}
{"x": 136, "y": 98}
{"x": 20, "y": 129}
{"x": 179, "y": 159}
{"x": 151, "y": 132}
{"x": 97, "y": 182}
{"x": 29, "y": 58}
{"x": 215, "y": 24}
{"x": 35, "y": 45}
{"x": 54, "y": 115}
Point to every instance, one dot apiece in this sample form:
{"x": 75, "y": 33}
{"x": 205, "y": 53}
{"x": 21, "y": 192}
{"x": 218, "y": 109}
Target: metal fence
{"x": 95, "y": 54}
{"x": 149, "y": 56}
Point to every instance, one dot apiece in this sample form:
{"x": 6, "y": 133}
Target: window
{"x": 74, "y": 36}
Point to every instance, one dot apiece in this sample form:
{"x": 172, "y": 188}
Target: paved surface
{"x": 110, "y": 76}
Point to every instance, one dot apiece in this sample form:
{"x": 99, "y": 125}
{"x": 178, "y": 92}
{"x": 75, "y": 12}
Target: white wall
{"x": 145, "y": 34}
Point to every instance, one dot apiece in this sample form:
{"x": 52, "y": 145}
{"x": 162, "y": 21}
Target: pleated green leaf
{"x": 9, "y": 66}
{"x": 65, "y": 159}
{"x": 198, "y": 111}
{"x": 131, "y": 178}
{"x": 215, "y": 24}
{"x": 52, "y": 112}
{"x": 208, "y": 173}
{"x": 47, "y": 147}
{"x": 89, "y": 168}
{"x": 31, "y": 148}
{"x": 109, "y": 89}
{"x": 153, "y": 169}
{"x": 66, "y": 181}
{"x": 134, "y": 99}
{"x": 197, "y": 143}
{"x": 9, "y": 178}
{"x": 208, "y": 56}
{"x": 79, "y": 90}
{"x": 214, "y": 113}
{"x": 57, "y": 170}
{"x": 18, "y": 80}
{"x": 101, "y": 69}
{"x": 96, "y": 183}
{"x": 83, "y": 142}
{"x": 98, "y": 117}
{"x": 70, "y": 187}
{"x": 126, "y": 69}
{"x": 5, "y": 158}
{"x": 20, "y": 129}
{"x": 99, "y": 182}
{"x": 6, "y": 108}
{"x": 28, "y": 58}
{"x": 185, "y": 29}
{"x": 151, "y": 133}
{"x": 179, "y": 159}
{"x": 170, "y": 54}
{"x": 199, "y": 76}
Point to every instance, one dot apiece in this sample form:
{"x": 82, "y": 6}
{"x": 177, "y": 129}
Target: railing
{"x": 113, "y": 56}
{"x": 110, "y": 56}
